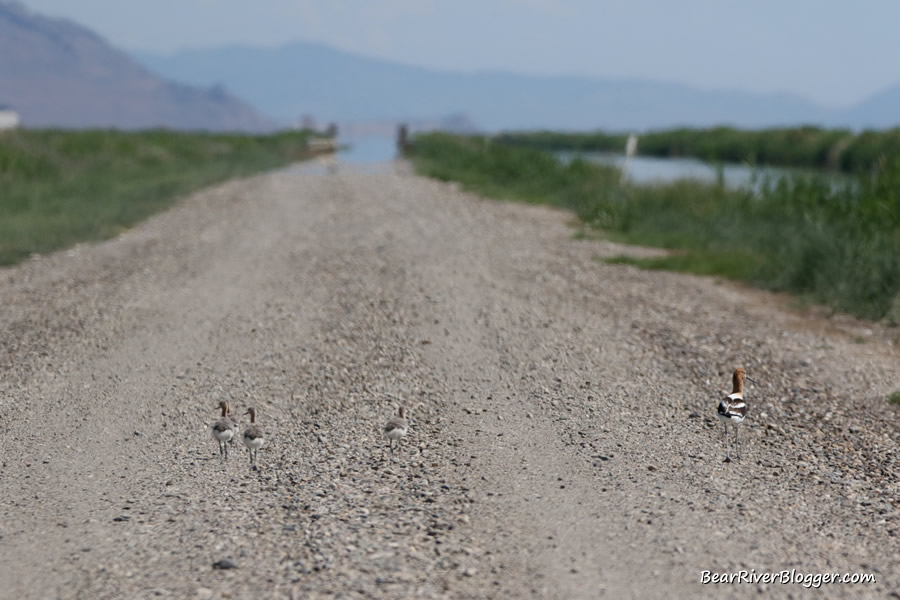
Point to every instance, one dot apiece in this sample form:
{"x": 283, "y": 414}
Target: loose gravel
{"x": 563, "y": 439}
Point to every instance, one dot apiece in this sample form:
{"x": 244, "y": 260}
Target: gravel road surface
{"x": 563, "y": 438}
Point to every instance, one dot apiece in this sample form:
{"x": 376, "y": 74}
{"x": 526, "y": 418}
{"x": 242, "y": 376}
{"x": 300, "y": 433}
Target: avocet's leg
{"x": 726, "y": 442}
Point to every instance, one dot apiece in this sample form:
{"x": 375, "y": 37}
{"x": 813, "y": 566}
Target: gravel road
{"x": 563, "y": 439}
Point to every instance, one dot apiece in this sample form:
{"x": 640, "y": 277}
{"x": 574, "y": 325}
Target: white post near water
{"x": 630, "y": 150}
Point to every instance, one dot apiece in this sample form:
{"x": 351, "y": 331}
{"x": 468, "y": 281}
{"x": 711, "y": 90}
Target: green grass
{"x": 58, "y": 188}
{"x": 894, "y": 399}
{"x": 731, "y": 266}
{"x": 518, "y": 173}
{"x": 837, "y": 244}
{"x": 810, "y": 147}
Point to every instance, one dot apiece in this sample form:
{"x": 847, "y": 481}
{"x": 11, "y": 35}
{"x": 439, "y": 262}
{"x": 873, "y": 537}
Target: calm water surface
{"x": 370, "y": 154}
{"x": 374, "y": 154}
{"x": 648, "y": 169}
{"x": 368, "y": 150}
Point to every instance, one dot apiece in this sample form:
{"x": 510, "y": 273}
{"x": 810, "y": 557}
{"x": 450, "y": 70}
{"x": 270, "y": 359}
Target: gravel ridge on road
{"x": 563, "y": 439}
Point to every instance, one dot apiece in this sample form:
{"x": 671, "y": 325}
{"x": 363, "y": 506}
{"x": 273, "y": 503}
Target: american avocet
{"x": 396, "y": 428}
{"x": 253, "y": 437}
{"x": 224, "y": 429}
{"x": 732, "y": 409}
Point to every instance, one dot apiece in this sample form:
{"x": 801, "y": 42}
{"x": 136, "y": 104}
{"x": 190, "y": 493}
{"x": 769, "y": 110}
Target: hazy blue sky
{"x": 835, "y": 52}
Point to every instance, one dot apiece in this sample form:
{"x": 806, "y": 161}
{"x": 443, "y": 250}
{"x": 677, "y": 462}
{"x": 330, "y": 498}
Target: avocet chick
{"x": 224, "y": 429}
{"x": 733, "y": 409}
{"x": 253, "y": 437}
{"x": 396, "y": 428}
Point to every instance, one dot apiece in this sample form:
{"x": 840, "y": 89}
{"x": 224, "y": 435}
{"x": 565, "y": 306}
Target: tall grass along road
{"x": 810, "y": 147}
{"x": 829, "y": 243}
{"x": 58, "y": 187}
{"x": 562, "y": 441}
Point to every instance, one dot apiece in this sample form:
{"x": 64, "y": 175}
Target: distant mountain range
{"x": 305, "y": 78}
{"x": 56, "y": 73}
{"x": 879, "y": 111}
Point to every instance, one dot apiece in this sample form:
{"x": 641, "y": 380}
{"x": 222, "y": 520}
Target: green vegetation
{"x": 810, "y": 147}
{"x": 517, "y": 173}
{"x": 734, "y": 266}
{"x": 558, "y": 141}
{"x": 837, "y": 244}
{"x": 895, "y": 399}
{"x": 58, "y": 188}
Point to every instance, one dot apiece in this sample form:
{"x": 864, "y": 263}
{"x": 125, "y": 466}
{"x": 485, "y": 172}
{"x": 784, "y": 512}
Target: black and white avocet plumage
{"x": 733, "y": 409}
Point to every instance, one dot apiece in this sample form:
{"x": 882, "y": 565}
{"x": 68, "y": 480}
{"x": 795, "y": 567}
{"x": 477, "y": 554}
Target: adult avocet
{"x": 733, "y": 409}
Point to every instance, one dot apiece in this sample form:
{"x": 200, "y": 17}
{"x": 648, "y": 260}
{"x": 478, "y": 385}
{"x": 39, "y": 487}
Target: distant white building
{"x": 9, "y": 119}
